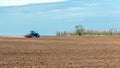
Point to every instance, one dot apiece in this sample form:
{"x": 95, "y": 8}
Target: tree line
{"x": 80, "y": 30}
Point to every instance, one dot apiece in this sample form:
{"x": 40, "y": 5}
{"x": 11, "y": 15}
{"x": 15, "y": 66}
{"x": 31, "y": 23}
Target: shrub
{"x": 79, "y": 29}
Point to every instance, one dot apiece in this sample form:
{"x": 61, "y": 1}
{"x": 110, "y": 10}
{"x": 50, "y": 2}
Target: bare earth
{"x": 60, "y": 52}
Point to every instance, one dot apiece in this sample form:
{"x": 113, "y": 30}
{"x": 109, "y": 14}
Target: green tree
{"x": 79, "y": 29}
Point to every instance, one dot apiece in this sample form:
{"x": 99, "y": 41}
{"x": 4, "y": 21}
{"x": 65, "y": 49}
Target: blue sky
{"x": 49, "y": 16}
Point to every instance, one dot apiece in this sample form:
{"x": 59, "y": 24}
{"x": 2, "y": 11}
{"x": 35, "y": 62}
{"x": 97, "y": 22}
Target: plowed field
{"x": 60, "y": 52}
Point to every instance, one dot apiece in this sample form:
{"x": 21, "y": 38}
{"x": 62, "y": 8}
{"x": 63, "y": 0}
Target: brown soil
{"x": 60, "y": 52}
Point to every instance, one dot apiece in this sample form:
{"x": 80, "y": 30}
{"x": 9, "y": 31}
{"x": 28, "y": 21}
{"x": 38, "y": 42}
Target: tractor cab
{"x": 32, "y": 34}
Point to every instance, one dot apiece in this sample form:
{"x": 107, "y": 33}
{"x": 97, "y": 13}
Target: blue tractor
{"x": 32, "y": 34}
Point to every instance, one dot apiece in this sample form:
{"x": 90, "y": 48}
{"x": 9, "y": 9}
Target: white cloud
{"x": 75, "y": 8}
{"x": 24, "y": 2}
